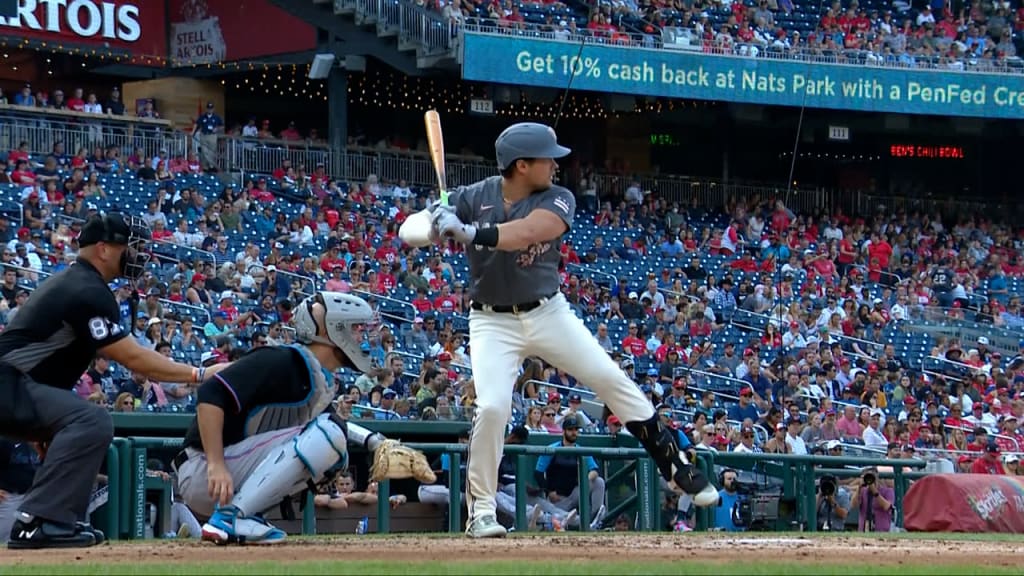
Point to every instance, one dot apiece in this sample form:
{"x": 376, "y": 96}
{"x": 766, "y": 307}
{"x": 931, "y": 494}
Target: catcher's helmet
{"x": 347, "y": 319}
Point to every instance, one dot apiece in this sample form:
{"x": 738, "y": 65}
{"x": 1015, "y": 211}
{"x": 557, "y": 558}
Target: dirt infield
{"x": 604, "y": 546}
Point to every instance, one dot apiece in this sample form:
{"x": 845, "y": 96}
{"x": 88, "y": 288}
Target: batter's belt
{"x": 509, "y": 308}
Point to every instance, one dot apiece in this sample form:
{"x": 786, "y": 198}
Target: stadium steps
{"x": 385, "y": 16}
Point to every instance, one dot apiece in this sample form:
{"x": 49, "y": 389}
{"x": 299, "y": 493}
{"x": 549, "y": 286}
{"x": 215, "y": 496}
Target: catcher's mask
{"x": 124, "y": 230}
{"x": 348, "y": 321}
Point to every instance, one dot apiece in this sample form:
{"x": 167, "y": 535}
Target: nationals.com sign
{"x": 137, "y": 27}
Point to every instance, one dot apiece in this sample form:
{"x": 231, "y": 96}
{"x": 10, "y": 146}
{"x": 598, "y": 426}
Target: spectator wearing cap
{"x": 745, "y": 408}
{"x": 218, "y": 325}
{"x": 748, "y": 442}
{"x": 872, "y": 435}
{"x": 558, "y": 475}
{"x": 980, "y": 417}
{"x": 615, "y": 426}
{"x": 678, "y": 399}
{"x": 416, "y": 338}
{"x": 777, "y": 444}
{"x": 1011, "y": 464}
{"x": 1008, "y": 439}
{"x": 989, "y": 462}
{"x": 575, "y": 410}
{"x": 829, "y": 430}
{"x": 794, "y": 440}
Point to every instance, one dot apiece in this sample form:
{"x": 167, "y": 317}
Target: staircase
{"x": 433, "y": 39}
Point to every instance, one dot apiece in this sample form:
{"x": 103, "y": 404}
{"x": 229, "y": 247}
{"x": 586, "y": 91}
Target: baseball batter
{"x": 261, "y": 425}
{"x": 512, "y": 225}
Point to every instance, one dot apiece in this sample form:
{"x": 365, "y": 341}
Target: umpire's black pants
{"x": 78, "y": 434}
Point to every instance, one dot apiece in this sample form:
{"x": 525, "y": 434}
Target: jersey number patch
{"x": 98, "y": 328}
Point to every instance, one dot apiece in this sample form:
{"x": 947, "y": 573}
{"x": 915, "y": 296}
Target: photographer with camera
{"x": 833, "y": 505}
{"x": 728, "y": 502}
{"x": 873, "y": 498}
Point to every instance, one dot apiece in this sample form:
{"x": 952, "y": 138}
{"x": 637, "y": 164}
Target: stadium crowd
{"x": 783, "y": 345}
{"x": 934, "y": 34}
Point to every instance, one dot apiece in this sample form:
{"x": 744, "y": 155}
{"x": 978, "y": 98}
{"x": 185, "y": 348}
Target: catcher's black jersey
{"x": 265, "y": 375}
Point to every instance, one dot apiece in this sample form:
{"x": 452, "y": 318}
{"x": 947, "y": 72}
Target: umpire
{"x": 66, "y": 322}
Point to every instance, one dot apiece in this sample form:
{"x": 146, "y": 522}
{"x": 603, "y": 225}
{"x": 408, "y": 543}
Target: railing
{"x": 197, "y": 311}
{"x": 429, "y": 31}
{"x": 41, "y": 129}
{"x": 263, "y": 156}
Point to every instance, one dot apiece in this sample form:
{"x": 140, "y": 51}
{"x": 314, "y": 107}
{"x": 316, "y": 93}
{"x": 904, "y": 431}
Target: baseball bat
{"x": 435, "y": 140}
{"x": 415, "y": 231}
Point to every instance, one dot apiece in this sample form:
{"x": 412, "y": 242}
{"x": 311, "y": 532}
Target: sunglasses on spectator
{"x": 549, "y": 414}
{"x": 748, "y": 435}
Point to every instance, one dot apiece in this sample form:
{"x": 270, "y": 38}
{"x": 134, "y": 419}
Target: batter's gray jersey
{"x": 502, "y": 278}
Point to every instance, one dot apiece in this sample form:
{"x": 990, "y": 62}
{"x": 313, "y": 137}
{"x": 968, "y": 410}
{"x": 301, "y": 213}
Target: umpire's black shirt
{"x": 59, "y": 329}
{"x": 265, "y": 375}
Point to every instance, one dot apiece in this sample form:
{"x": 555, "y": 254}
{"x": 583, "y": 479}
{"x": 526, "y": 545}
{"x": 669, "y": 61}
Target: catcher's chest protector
{"x": 279, "y": 416}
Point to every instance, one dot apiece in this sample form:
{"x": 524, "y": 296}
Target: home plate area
{"x": 714, "y": 548}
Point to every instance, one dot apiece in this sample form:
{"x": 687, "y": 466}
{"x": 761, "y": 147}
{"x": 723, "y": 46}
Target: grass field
{"x": 548, "y": 554}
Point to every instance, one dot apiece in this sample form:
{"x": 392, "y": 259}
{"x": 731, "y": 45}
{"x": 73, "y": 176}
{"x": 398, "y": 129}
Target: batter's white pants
{"x": 500, "y": 342}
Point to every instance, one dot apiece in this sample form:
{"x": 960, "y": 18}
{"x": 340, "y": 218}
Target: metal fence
{"x": 41, "y": 130}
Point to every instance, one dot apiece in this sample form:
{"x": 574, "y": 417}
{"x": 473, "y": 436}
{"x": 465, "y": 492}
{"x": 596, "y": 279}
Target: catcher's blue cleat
{"x": 229, "y": 526}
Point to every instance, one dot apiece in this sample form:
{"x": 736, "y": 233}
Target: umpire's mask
{"x": 125, "y": 230}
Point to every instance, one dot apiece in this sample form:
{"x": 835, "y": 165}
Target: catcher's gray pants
{"x": 241, "y": 459}
{"x": 8, "y": 510}
{"x": 78, "y": 433}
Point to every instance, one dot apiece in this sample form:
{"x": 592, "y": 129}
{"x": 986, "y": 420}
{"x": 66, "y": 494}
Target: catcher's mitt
{"x": 392, "y": 460}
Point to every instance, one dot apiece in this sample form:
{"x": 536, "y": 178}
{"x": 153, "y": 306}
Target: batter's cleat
{"x": 34, "y": 533}
{"x": 97, "y": 534}
{"x": 229, "y": 526}
{"x": 486, "y": 527}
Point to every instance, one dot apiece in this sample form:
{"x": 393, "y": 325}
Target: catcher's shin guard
{"x": 674, "y": 466}
{"x": 286, "y": 470}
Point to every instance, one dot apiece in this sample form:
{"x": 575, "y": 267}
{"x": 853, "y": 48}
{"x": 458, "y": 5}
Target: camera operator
{"x": 728, "y": 500}
{"x": 833, "y": 505}
{"x": 873, "y": 498}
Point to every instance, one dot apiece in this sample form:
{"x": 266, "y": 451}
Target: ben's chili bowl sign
{"x": 114, "y": 22}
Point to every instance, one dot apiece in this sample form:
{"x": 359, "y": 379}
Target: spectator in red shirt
{"x": 290, "y": 133}
{"x": 989, "y": 463}
{"x": 22, "y": 174}
{"x": 632, "y": 344}
{"x": 331, "y": 259}
{"x": 421, "y": 302}
{"x": 280, "y": 173}
{"x": 76, "y": 102}
{"x": 260, "y": 192}
{"x": 446, "y": 303}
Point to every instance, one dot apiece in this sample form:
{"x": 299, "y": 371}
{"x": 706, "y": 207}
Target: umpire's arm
{"x": 128, "y": 353}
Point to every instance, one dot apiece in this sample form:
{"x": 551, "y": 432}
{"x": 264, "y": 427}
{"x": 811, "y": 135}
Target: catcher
{"x": 264, "y": 429}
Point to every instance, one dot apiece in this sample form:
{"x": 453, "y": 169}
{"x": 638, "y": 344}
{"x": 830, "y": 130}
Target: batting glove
{"x": 447, "y": 225}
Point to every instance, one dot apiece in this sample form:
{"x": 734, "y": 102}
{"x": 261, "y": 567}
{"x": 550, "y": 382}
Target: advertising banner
{"x": 135, "y": 26}
{"x": 965, "y": 503}
{"x": 209, "y": 31}
{"x": 677, "y": 74}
